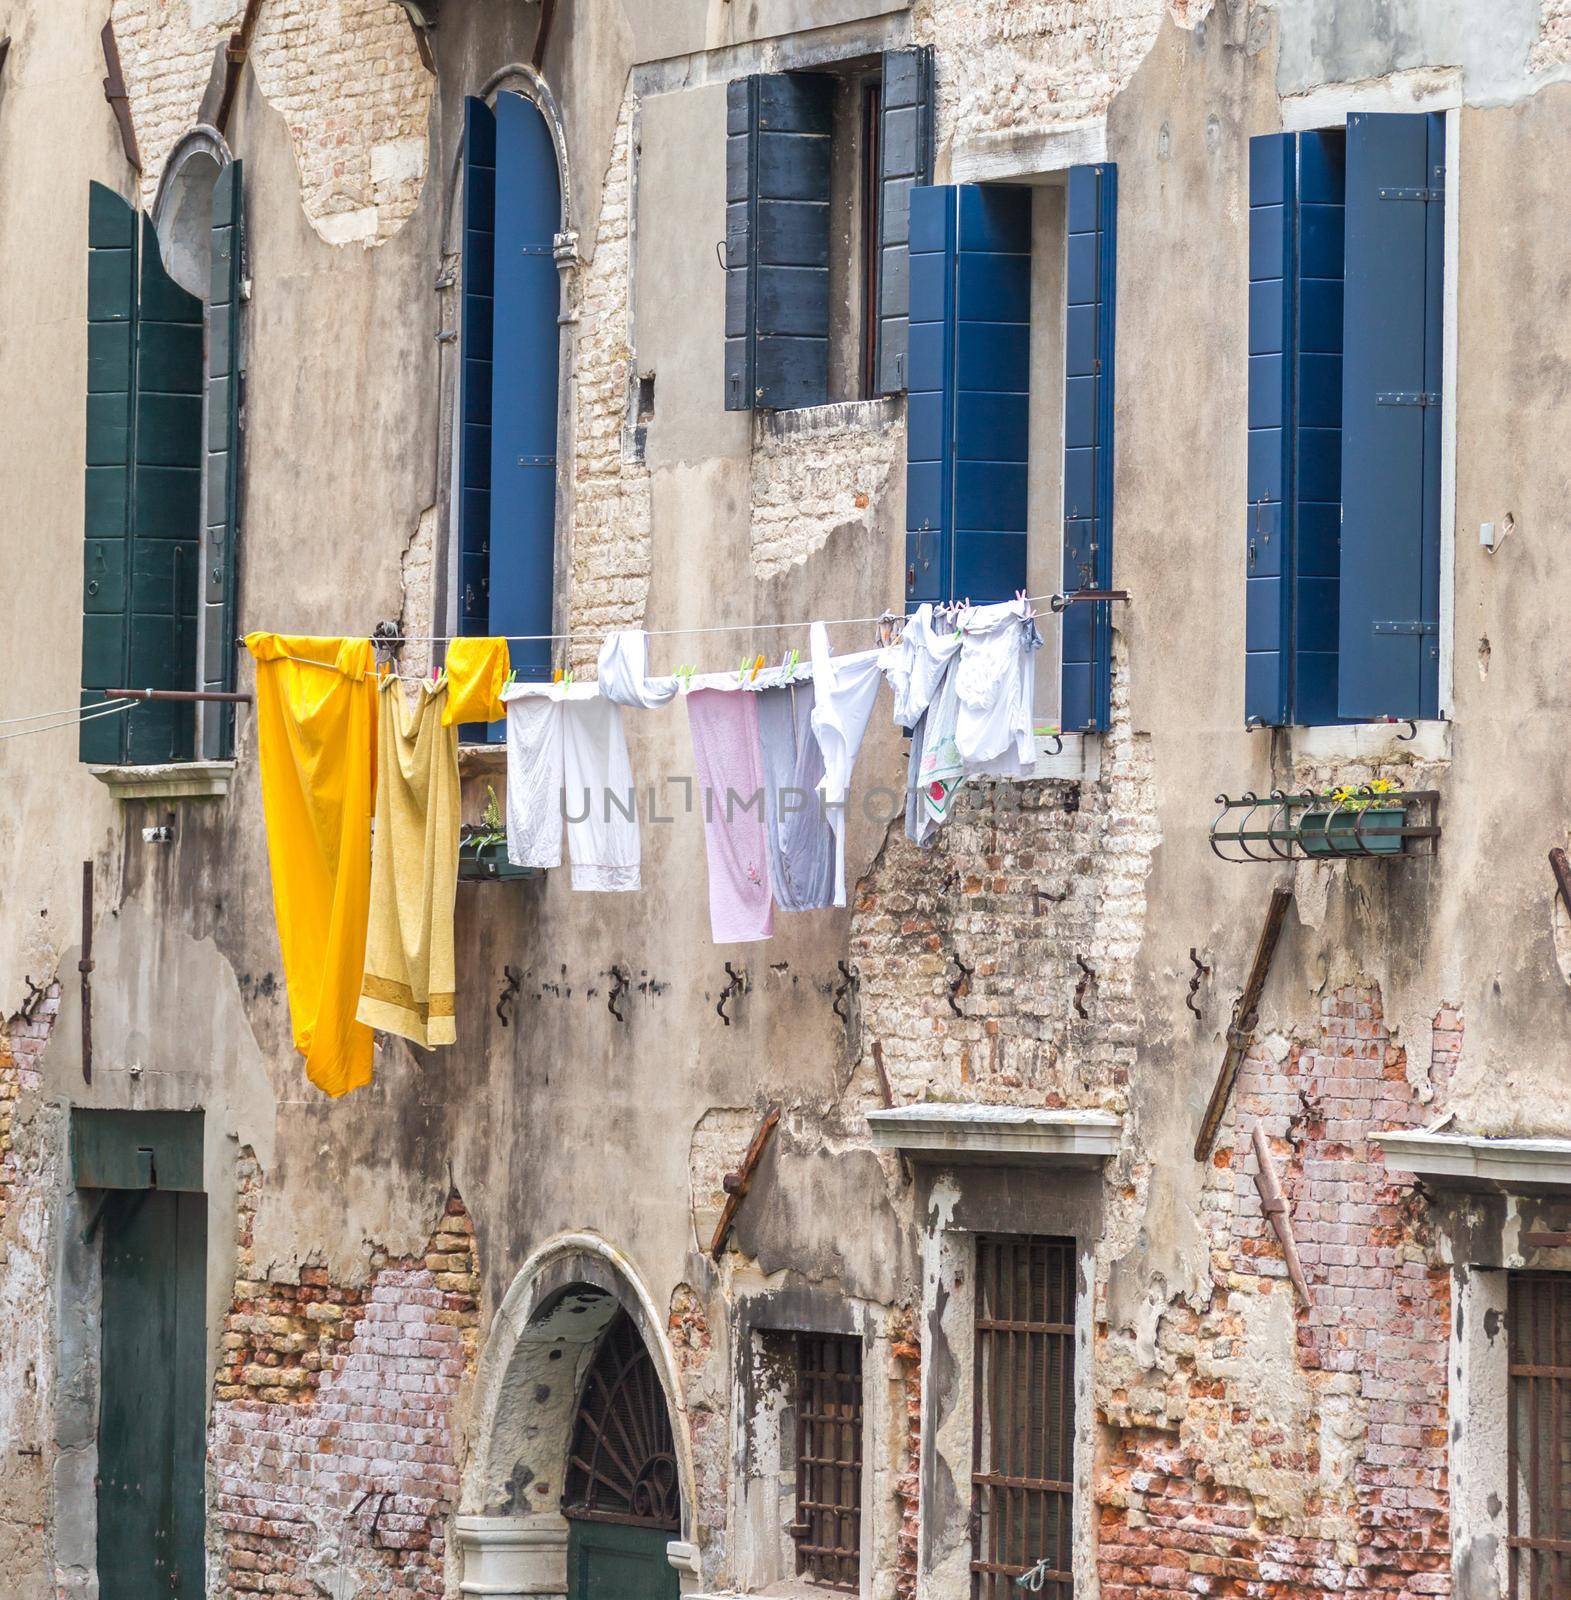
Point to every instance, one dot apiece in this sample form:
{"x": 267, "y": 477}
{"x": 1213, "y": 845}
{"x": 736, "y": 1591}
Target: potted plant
{"x": 482, "y": 847}
{"x": 1355, "y": 821}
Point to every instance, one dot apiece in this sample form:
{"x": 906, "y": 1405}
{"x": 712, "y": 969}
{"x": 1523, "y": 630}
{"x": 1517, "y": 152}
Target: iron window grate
{"x": 828, "y": 1529}
{"x": 1538, "y": 1441}
{"x": 1024, "y": 1425}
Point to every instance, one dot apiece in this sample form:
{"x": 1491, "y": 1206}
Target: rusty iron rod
{"x": 229, "y": 697}
{"x": 1241, "y": 1031}
{"x": 1274, "y": 1204}
{"x": 1561, "y": 867}
{"x": 85, "y": 967}
{"x": 736, "y": 1184}
{"x": 115, "y": 94}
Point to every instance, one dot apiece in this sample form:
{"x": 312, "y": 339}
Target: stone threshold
{"x": 969, "y": 1132}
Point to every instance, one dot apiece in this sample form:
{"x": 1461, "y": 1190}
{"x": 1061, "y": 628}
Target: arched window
{"x": 509, "y": 378}
{"x": 621, "y": 1466}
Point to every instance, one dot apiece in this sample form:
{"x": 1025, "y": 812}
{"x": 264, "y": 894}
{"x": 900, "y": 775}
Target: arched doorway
{"x": 581, "y": 1482}
{"x": 623, "y": 1497}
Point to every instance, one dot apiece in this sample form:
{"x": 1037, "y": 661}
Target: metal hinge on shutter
{"x": 1435, "y": 192}
{"x": 1408, "y": 397}
{"x": 1406, "y": 627}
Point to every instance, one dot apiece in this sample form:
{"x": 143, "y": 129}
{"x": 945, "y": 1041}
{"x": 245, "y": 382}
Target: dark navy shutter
{"x": 906, "y": 159}
{"x": 1295, "y": 405}
{"x": 1088, "y": 444}
{"x": 111, "y": 342}
{"x": 525, "y": 357}
{"x": 222, "y": 432}
{"x": 929, "y": 409}
{"x": 970, "y": 393}
{"x": 166, "y": 510}
{"x": 778, "y": 138}
{"x": 474, "y": 405}
{"x": 1391, "y": 381}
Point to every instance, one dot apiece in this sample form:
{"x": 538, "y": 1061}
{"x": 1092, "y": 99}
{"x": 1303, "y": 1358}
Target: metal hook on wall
{"x": 1201, "y": 971}
{"x": 619, "y": 987}
{"x": 736, "y": 985}
{"x": 962, "y": 984}
{"x": 512, "y": 979}
{"x": 852, "y": 980}
{"x": 1087, "y": 978}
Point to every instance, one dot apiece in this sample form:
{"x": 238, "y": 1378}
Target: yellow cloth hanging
{"x": 476, "y": 671}
{"x": 316, "y": 738}
{"x": 408, "y": 985}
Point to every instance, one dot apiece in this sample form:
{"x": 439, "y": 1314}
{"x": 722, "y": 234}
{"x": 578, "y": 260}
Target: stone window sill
{"x": 1471, "y": 1162}
{"x": 170, "y": 780}
{"x": 1373, "y": 742}
{"x": 952, "y": 1133}
{"x": 866, "y": 416}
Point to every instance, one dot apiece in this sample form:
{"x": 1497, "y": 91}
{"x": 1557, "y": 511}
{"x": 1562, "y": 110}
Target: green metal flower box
{"x": 485, "y": 861}
{"x": 1351, "y": 831}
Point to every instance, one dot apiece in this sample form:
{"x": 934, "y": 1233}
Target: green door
{"x": 151, "y": 1422}
{"x": 613, "y": 1561}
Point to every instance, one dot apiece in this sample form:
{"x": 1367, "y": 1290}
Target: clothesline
{"x": 71, "y": 718}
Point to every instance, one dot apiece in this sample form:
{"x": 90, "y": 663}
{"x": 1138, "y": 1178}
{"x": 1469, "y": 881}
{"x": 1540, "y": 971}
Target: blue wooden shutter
{"x": 1090, "y": 319}
{"x": 222, "y": 433}
{"x": 905, "y": 160}
{"x": 778, "y": 138}
{"x": 474, "y": 360}
{"x": 968, "y": 424}
{"x": 1295, "y": 407}
{"x": 524, "y": 387}
{"x": 111, "y": 344}
{"x": 166, "y": 509}
{"x": 1391, "y": 382}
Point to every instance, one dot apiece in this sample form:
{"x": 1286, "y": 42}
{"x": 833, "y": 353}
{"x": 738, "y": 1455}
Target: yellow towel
{"x": 316, "y": 739}
{"x": 476, "y": 671}
{"x": 408, "y": 987}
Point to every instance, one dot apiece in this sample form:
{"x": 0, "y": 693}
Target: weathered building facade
{"x": 986, "y": 1302}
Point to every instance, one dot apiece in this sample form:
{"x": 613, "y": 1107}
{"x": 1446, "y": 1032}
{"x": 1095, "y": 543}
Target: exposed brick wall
{"x": 1034, "y": 65}
{"x": 1553, "y": 48}
{"x": 1278, "y": 1452}
{"x": 333, "y": 1439}
{"x": 812, "y": 477}
{"x": 906, "y": 1350}
{"x": 345, "y": 75}
{"x": 700, "y": 1370}
{"x": 22, "y": 1043}
{"x": 611, "y": 519}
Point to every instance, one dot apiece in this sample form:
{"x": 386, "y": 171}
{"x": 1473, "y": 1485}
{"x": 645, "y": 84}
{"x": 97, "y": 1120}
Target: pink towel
{"x": 731, "y": 778}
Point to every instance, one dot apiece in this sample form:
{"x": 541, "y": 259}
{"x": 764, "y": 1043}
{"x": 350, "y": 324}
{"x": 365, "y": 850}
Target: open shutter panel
{"x": 222, "y": 434}
{"x": 1391, "y": 381}
{"x": 111, "y": 342}
{"x": 778, "y": 127}
{"x": 474, "y": 437}
{"x": 524, "y": 385}
{"x": 906, "y": 160}
{"x": 166, "y": 509}
{"x": 930, "y": 407}
{"x": 992, "y": 377}
{"x": 968, "y": 416}
{"x": 1295, "y": 408}
{"x": 1088, "y": 444}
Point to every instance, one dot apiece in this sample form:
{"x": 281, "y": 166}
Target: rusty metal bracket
{"x": 1240, "y": 1035}
{"x": 736, "y": 985}
{"x": 620, "y": 984}
{"x": 85, "y": 967}
{"x": 512, "y": 982}
{"x": 961, "y": 985}
{"x": 852, "y": 980}
{"x": 1087, "y": 978}
{"x": 233, "y": 53}
{"x": 1201, "y": 971}
{"x": 1561, "y": 867}
{"x": 1545, "y": 1241}
{"x": 114, "y": 93}
{"x": 736, "y": 1184}
{"x": 1274, "y": 1204}
{"x": 422, "y": 19}
{"x": 1042, "y": 898}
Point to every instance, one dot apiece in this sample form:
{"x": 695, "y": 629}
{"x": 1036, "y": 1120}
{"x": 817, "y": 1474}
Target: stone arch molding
{"x": 183, "y": 207}
{"x": 562, "y": 1299}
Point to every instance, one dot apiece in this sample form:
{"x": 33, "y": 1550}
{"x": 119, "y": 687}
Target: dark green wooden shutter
{"x": 1295, "y": 410}
{"x": 152, "y": 1408}
{"x": 1090, "y": 320}
{"x": 111, "y": 345}
{"x": 778, "y": 138}
{"x": 166, "y": 509}
{"x": 969, "y": 421}
{"x": 1391, "y": 386}
{"x": 905, "y": 160}
{"x": 222, "y": 435}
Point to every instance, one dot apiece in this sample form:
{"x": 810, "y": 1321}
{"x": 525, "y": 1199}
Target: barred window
{"x": 828, "y": 1527}
{"x": 1539, "y": 1436}
{"x": 1022, "y": 1485}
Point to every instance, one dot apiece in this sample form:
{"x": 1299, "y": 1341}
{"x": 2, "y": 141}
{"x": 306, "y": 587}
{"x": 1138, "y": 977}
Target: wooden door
{"x": 152, "y": 1411}
{"x": 613, "y": 1561}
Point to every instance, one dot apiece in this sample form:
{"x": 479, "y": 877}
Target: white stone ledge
{"x": 997, "y": 1134}
{"x": 866, "y": 416}
{"x": 1373, "y": 741}
{"x": 1469, "y": 1161}
{"x": 171, "y": 780}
